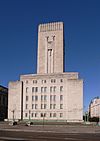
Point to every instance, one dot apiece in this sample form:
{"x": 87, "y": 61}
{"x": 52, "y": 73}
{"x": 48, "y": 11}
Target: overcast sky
{"x": 19, "y": 20}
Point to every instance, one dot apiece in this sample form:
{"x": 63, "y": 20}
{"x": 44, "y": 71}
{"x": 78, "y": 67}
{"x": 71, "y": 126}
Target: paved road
{"x": 47, "y": 136}
{"x": 49, "y": 133}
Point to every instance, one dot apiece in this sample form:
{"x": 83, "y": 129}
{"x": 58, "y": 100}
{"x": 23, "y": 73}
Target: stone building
{"x": 51, "y": 94}
{"x": 3, "y": 102}
{"x": 94, "y": 108}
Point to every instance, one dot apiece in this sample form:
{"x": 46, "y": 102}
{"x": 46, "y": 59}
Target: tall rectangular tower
{"x": 50, "y": 48}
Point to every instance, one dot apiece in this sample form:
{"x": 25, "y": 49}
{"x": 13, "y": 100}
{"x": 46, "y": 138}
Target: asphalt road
{"x": 47, "y": 136}
{"x": 49, "y": 133}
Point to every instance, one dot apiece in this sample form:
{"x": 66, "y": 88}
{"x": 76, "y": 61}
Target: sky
{"x": 19, "y": 21}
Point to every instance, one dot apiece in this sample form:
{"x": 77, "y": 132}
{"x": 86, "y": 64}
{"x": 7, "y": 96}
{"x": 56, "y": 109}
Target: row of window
{"x": 44, "y": 115}
{"x": 44, "y": 81}
{"x": 44, "y": 97}
{"x": 44, "y": 106}
{"x": 44, "y": 89}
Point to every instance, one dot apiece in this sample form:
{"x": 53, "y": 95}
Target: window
{"x": 50, "y": 114}
{"x": 42, "y": 106}
{"x": 36, "y": 106}
{"x": 41, "y": 97}
{"x": 53, "y": 80}
{"x": 50, "y": 106}
{"x": 26, "y": 114}
{"x": 41, "y": 89}
{"x": 54, "y": 98}
{"x": 32, "y": 97}
{"x": 51, "y": 97}
{"x": 61, "y": 88}
{"x": 61, "y": 80}
{"x": 26, "y": 89}
{"x": 32, "y": 114}
{"x": 26, "y": 98}
{"x": 51, "y": 88}
{"x": 26, "y": 81}
{"x": 54, "y": 88}
{"x": 36, "y": 89}
{"x": 32, "y": 106}
{"x": 26, "y": 106}
{"x": 61, "y": 106}
{"x": 61, "y": 97}
{"x": 45, "y": 97}
{"x": 35, "y": 114}
{"x": 33, "y": 89}
{"x": 54, "y": 114}
{"x": 43, "y": 114}
{"x": 34, "y": 81}
{"x": 36, "y": 98}
{"x": 54, "y": 106}
{"x": 45, "y": 106}
{"x": 43, "y": 81}
{"x": 45, "y": 89}
{"x": 61, "y": 114}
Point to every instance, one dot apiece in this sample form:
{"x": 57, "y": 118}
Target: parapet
{"x": 50, "y": 27}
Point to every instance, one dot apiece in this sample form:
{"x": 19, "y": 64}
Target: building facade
{"x": 51, "y": 94}
{"x": 3, "y": 102}
{"x": 94, "y": 108}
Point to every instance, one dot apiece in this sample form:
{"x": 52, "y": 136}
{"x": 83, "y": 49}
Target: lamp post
{"x": 13, "y": 111}
{"x": 29, "y": 115}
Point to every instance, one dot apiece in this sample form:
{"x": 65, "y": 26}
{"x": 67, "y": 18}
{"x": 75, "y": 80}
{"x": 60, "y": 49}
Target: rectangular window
{"x": 61, "y": 88}
{"x": 50, "y": 114}
{"x": 61, "y": 106}
{"x": 54, "y": 106}
{"x": 45, "y": 97}
{"x": 41, "y": 89}
{"x": 34, "y": 81}
{"x": 26, "y": 106}
{"x": 51, "y": 89}
{"x": 54, "y": 114}
{"x": 51, "y": 97}
{"x": 32, "y": 106}
{"x": 61, "y": 114}
{"x": 45, "y": 89}
{"x": 61, "y": 80}
{"x": 26, "y": 98}
{"x": 54, "y": 88}
{"x": 32, "y": 114}
{"x": 36, "y": 106}
{"x": 61, "y": 97}
{"x": 26, "y": 114}
{"x": 33, "y": 89}
{"x": 26, "y": 81}
{"x": 50, "y": 106}
{"x": 36, "y": 89}
{"x": 36, "y": 98}
{"x": 42, "y": 106}
{"x": 35, "y": 114}
{"x": 45, "y": 106}
{"x": 41, "y": 97}
{"x": 26, "y": 89}
{"x": 32, "y": 97}
{"x": 54, "y": 98}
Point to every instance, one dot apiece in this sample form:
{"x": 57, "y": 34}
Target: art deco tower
{"x": 50, "y": 48}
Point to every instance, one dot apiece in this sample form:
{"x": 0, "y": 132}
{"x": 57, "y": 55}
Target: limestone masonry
{"x": 51, "y": 94}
